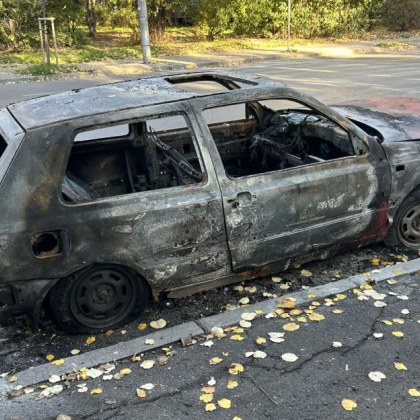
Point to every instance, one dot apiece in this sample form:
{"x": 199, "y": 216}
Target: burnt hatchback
{"x": 113, "y": 194}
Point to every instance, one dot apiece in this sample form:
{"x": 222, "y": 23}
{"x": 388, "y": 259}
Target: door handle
{"x": 242, "y": 199}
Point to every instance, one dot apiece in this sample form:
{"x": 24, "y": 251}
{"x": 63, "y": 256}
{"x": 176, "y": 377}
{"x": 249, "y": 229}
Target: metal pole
{"x": 144, "y": 30}
{"x": 41, "y": 38}
{"x": 288, "y": 24}
{"x": 54, "y": 40}
{"x": 47, "y": 42}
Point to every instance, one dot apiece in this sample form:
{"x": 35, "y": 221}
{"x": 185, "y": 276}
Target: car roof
{"x": 60, "y": 107}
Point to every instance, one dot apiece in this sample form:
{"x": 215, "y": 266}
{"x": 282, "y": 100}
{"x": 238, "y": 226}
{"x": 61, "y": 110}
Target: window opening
{"x": 258, "y": 137}
{"x": 155, "y": 153}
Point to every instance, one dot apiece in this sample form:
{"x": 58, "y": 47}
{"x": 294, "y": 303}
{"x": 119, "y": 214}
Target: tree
{"x": 91, "y": 17}
{"x": 17, "y": 20}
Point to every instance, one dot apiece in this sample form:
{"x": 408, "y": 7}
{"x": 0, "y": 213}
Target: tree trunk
{"x": 91, "y": 17}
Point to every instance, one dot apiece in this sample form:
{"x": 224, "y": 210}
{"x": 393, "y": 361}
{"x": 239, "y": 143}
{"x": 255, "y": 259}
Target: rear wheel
{"x": 97, "y": 298}
{"x": 406, "y": 227}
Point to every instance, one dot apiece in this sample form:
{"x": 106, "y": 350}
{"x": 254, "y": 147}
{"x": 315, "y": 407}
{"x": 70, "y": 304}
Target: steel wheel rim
{"x": 103, "y": 297}
{"x": 409, "y": 226}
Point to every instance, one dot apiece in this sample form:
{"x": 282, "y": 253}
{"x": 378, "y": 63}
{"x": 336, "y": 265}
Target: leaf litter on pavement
{"x": 286, "y": 309}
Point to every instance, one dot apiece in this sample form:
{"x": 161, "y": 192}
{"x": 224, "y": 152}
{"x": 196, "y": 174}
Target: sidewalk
{"x": 196, "y": 61}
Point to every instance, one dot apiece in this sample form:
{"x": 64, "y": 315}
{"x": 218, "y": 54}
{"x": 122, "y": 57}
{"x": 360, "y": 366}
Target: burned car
{"x": 113, "y": 194}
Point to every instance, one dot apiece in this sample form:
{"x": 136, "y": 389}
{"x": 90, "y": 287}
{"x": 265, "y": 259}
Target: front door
{"x": 291, "y": 181}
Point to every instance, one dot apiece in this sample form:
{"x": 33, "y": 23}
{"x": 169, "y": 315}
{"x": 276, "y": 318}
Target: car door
{"x": 279, "y": 214}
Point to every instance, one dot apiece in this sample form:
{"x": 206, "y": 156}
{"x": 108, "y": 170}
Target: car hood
{"x": 396, "y": 119}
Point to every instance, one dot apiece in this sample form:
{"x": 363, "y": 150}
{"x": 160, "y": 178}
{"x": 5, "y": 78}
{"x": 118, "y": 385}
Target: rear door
{"x": 124, "y": 201}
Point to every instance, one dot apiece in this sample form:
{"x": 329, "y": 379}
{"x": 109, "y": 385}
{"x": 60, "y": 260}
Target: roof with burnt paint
{"x": 100, "y": 99}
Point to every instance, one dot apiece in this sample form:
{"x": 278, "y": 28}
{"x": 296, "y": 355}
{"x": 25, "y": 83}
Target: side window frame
{"x": 131, "y": 117}
{"x": 359, "y": 146}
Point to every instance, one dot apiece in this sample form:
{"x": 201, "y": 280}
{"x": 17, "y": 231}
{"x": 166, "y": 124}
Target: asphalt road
{"x": 331, "y": 80}
{"x": 336, "y": 356}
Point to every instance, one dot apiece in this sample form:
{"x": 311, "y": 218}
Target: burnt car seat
{"x": 75, "y": 190}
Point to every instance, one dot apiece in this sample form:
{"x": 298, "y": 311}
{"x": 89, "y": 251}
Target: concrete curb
{"x": 116, "y": 352}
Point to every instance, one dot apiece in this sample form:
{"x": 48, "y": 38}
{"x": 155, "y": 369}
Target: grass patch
{"x": 48, "y": 69}
{"x": 118, "y": 44}
{"x": 393, "y": 44}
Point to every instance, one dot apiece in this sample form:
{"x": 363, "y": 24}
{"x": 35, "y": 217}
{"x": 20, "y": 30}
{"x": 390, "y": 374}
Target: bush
{"x": 401, "y": 15}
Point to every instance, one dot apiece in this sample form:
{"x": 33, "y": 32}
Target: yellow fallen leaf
{"x": 236, "y": 369}
{"x": 414, "y": 392}
{"x": 348, "y": 405}
{"x": 357, "y": 292}
{"x": 285, "y": 315}
{"x": 398, "y": 321}
{"x": 337, "y": 311}
{"x": 287, "y": 303}
{"x": 400, "y": 366}
{"x": 224, "y": 403}
{"x": 125, "y": 371}
{"x": 13, "y": 378}
{"x": 312, "y": 296}
{"x": 279, "y": 311}
{"x": 238, "y": 330}
{"x": 237, "y": 337}
{"x": 316, "y": 317}
{"x": 340, "y": 296}
{"x": 398, "y": 334}
{"x": 308, "y": 311}
{"x": 366, "y": 286}
{"x": 231, "y": 384}
{"x": 57, "y": 362}
{"x": 315, "y": 303}
{"x": 136, "y": 358}
{"x": 90, "y": 340}
{"x": 96, "y": 391}
{"x": 291, "y": 326}
{"x": 206, "y": 398}
{"x": 210, "y": 407}
{"x": 295, "y": 312}
{"x": 312, "y": 307}
{"x": 386, "y": 322}
{"x": 147, "y": 364}
{"x": 276, "y": 279}
{"x": 109, "y": 333}
{"x": 216, "y": 360}
{"x": 157, "y": 325}
{"x": 306, "y": 273}
{"x": 141, "y": 393}
{"x": 236, "y": 418}
{"x": 260, "y": 340}
{"x": 301, "y": 319}
{"x": 142, "y": 326}
{"x": 50, "y": 357}
{"x": 259, "y": 312}
{"x": 208, "y": 389}
{"x": 376, "y": 261}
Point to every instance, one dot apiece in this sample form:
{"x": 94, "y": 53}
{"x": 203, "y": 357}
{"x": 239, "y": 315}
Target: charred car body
{"x": 112, "y": 194}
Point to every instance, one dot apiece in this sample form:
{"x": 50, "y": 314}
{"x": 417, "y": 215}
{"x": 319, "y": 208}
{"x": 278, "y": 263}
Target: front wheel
{"x": 97, "y": 298}
{"x": 406, "y": 227}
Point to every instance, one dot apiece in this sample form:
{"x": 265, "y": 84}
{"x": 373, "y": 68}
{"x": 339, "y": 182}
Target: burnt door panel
{"x": 280, "y": 215}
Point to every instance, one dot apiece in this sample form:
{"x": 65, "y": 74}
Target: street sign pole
{"x": 288, "y": 24}
{"x": 144, "y": 30}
